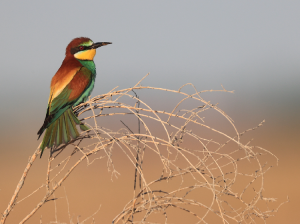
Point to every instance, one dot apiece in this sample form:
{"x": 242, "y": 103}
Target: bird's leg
{"x": 78, "y": 110}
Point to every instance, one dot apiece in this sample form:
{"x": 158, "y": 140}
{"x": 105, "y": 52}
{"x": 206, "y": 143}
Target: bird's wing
{"x": 59, "y": 103}
{"x": 61, "y": 79}
{"x": 71, "y": 92}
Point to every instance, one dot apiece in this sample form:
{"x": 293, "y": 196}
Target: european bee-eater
{"x": 71, "y": 85}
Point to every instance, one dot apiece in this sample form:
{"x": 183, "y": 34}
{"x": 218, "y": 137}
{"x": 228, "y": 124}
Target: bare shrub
{"x": 206, "y": 173}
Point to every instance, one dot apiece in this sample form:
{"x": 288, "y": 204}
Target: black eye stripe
{"x": 79, "y": 48}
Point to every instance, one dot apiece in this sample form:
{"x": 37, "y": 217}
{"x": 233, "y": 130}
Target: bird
{"x": 70, "y": 86}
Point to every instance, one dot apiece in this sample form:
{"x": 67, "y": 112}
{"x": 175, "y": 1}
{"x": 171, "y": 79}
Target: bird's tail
{"x": 62, "y": 130}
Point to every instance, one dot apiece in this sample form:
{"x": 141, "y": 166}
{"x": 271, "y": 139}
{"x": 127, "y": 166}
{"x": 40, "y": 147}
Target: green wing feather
{"x": 60, "y": 122}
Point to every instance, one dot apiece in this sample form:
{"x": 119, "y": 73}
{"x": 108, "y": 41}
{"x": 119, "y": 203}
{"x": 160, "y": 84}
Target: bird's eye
{"x": 81, "y": 48}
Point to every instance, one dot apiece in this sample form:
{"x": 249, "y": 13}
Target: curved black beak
{"x": 99, "y": 44}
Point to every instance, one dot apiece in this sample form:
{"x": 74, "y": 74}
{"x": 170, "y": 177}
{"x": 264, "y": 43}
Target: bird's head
{"x": 83, "y": 48}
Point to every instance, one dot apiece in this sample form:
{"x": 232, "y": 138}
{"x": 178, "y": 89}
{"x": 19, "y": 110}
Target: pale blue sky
{"x": 251, "y": 47}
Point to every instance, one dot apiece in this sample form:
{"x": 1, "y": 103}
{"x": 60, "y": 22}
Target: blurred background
{"x": 249, "y": 47}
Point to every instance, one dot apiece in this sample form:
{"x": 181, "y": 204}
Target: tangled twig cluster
{"x": 206, "y": 166}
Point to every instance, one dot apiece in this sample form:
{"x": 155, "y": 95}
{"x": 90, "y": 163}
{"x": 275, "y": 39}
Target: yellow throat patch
{"x": 85, "y": 55}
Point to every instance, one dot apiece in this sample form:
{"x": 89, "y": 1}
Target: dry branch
{"x": 213, "y": 163}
